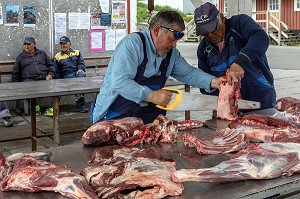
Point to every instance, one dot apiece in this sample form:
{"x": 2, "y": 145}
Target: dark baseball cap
{"x": 206, "y": 18}
{"x": 64, "y": 39}
{"x": 29, "y": 40}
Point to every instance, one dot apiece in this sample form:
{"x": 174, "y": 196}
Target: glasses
{"x": 177, "y": 34}
{"x": 27, "y": 44}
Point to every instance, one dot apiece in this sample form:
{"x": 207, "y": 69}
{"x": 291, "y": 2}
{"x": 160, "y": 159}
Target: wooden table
{"x": 53, "y": 88}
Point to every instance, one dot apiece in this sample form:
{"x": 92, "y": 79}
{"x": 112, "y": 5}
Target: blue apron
{"x": 254, "y": 86}
{"x": 122, "y": 107}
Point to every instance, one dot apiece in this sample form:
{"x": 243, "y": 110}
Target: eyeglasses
{"x": 27, "y": 44}
{"x": 177, "y": 34}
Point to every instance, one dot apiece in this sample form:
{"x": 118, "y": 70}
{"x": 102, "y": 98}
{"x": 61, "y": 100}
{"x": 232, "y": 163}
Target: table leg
{"x": 33, "y": 124}
{"x": 187, "y": 114}
{"x": 55, "y": 120}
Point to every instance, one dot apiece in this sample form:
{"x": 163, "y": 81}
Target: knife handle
{"x": 178, "y": 99}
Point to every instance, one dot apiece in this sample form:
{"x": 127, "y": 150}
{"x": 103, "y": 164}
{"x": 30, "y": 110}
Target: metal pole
{"x": 50, "y": 28}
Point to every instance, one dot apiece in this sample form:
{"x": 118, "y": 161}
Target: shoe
{"x": 6, "y": 122}
{"x": 38, "y": 110}
{"x": 49, "y": 112}
{"x": 83, "y": 110}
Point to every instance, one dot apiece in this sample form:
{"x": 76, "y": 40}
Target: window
{"x": 297, "y": 5}
{"x": 273, "y": 5}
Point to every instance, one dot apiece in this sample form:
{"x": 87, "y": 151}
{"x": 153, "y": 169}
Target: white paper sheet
{"x": 78, "y": 20}
{"x": 60, "y": 26}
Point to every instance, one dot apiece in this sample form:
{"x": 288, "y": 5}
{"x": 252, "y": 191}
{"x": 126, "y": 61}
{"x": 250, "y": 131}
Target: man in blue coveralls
{"x": 238, "y": 44}
{"x": 139, "y": 68}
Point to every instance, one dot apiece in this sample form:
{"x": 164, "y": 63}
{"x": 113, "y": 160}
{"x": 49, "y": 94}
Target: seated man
{"x": 32, "y": 65}
{"x": 69, "y": 64}
{"x": 5, "y": 117}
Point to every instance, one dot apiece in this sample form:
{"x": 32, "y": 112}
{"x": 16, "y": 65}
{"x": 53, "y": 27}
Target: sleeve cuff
{"x": 242, "y": 60}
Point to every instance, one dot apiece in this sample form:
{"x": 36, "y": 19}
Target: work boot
{"x": 6, "y": 121}
{"x": 49, "y": 112}
{"x": 38, "y": 110}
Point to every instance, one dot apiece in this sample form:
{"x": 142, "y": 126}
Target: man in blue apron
{"x": 139, "y": 68}
{"x": 238, "y": 44}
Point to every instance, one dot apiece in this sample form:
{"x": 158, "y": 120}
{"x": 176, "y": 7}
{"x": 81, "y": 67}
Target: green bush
{"x": 142, "y": 12}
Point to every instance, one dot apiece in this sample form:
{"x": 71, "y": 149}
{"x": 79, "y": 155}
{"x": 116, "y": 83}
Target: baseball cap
{"x": 29, "y": 40}
{"x": 206, "y": 18}
{"x": 64, "y": 39}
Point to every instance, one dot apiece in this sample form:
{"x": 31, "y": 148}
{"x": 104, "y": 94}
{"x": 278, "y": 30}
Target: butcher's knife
{"x": 185, "y": 101}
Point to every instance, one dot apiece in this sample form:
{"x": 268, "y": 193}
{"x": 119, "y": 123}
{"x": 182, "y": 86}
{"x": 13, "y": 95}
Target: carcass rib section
{"x": 31, "y": 175}
{"x": 221, "y": 141}
{"x": 227, "y": 107}
{"x": 131, "y": 173}
{"x": 266, "y": 162}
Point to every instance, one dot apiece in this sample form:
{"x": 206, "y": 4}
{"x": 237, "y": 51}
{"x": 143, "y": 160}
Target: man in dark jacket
{"x": 69, "y": 64}
{"x": 238, "y": 44}
{"x": 32, "y": 65}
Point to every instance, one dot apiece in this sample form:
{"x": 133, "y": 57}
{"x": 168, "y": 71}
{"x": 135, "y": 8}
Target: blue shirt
{"x": 122, "y": 69}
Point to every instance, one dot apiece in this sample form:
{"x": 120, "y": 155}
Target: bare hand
{"x": 160, "y": 97}
{"x": 49, "y": 77}
{"x": 235, "y": 73}
{"x": 80, "y": 71}
{"x": 215, "y": 82}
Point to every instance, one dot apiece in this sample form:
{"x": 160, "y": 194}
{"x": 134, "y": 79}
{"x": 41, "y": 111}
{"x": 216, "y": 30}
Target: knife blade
{"x": 184, "y": 101}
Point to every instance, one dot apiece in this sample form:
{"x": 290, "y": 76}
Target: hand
{"x": 215, "y": 82}
{"x": 49, "y": 77}
{"x": 161, "y": 97}
{"x": 80, "y": 71}
{"x": 235, "y": 73}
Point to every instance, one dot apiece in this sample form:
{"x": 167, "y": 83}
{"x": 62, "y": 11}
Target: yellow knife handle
{"x": 175, "y": 102}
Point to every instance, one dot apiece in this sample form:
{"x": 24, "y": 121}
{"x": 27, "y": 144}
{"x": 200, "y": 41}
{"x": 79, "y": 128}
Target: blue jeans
{"x": 80, "y": 98}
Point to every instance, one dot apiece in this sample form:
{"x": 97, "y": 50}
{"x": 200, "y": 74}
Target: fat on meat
{"x": 221, "y": 141}
{"x": 185, "y": 125}
{"x": 32, "y": 175}
{"x": 260, "y": 161}
{"x": 227, "y": 106}
{"x": 123, "y": 172}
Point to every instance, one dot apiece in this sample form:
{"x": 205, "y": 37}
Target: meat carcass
{"x": 268, "y": 122}
{"x": 131, "y": 173}
{"x": 262, "y": 161}
{"x": 111, "y": 131}
{"x": 131, "y": 131}
{"x": 286, "y": 103}
{"x": 289, "y": 109}
{"x": 190, "y": 124}
{"x": 221, "y": 141}
{"x": 227, "y": 107}
{"x": 31, "y": 175}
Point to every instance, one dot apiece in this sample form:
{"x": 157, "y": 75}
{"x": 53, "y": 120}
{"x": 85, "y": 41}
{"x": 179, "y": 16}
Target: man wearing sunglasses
{"x": 238, "y": 44}
{"x": 32, "y": 65}
{"x": 139, "y": 68}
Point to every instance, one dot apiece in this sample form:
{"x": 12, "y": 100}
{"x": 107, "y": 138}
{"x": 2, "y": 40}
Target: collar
{"x": 68, "y": 53}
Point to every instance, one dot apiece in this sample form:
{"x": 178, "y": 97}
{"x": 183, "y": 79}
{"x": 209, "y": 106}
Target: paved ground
{"x": 287, "y": 83}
